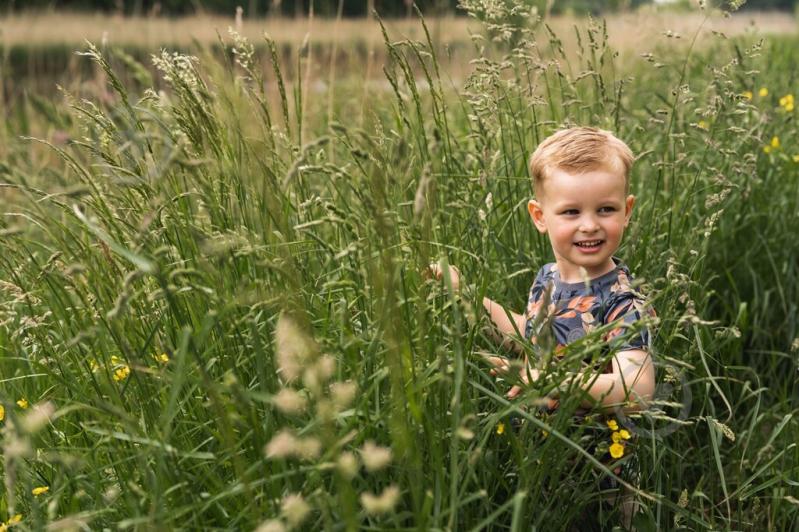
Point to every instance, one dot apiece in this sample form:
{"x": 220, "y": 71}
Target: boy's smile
{"x": 584, "y": 215}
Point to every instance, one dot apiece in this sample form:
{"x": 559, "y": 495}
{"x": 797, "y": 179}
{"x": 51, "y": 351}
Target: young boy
{"x": 581, "y": 184}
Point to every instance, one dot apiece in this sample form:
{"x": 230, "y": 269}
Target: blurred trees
{"x": 350, "y": 8}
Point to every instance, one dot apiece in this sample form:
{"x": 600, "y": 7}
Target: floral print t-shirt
{"x": 576, "y": 309}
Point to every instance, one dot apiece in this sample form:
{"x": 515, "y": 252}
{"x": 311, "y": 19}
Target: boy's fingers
{"x": 514, "y": 391}
{"x": 499, "y": 363}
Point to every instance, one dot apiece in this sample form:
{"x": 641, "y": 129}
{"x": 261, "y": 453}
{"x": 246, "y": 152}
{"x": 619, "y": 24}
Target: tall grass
{"x": 214, "y": 314}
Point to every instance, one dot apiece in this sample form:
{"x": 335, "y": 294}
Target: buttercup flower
{"x": 795, "y": 159}
{"x": 624, "y": 434}
{"x": 772, "y": 145}
{"x": 617, "y": 450}
{"x": 11, "y": 522}
{"x": 39, "y": 490}
{"x": 121, "y": 374}
{"x": 612, "y": 424}
{"x": 500, "y": 428}
{"x": 2, "y": 412}
{"x": 763, "y": 92}
{"x": 702, "y": 125}
{"x": 23, "y": 403}
{"x": 786, "y": 102}
{"x": 616, "y": 437}
{"x": 747, "y": 94}
{"x": 163, "y": 358}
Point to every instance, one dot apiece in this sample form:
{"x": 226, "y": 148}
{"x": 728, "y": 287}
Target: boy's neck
{"x": 571, "y": 274}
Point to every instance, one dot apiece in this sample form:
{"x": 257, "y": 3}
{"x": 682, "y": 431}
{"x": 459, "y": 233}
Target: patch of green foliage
{"x": 213, "y": 298}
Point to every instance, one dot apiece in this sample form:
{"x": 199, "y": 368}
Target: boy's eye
{"x": 570, "y": 212}
{"x": 607, "y": 209}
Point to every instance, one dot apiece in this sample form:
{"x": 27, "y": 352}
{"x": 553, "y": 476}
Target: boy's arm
{"x": 631, "y": 384}
{"x": 507, "y": 322}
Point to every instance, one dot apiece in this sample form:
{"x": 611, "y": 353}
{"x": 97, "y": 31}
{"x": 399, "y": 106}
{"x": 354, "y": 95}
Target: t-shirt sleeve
{"x": 534, "y": 301}
{"x": 627, "y": 311}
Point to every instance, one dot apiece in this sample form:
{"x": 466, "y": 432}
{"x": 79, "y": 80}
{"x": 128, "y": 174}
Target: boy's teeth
{"x": 589, "y": 244}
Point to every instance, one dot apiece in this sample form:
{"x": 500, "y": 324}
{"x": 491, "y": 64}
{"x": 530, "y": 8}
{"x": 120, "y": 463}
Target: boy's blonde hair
{"x": 580, "y": 149}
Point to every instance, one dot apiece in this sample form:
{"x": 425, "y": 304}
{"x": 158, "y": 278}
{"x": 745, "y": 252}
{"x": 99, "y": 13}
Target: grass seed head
{"x": 375, "y": 457}
{"x": 294, "y": 509}
{"x": 295, "y": 349}
{"x": 272, "y": 525}
{"x": 380, "y": 504}
{"x": 290, "y": 401}
{"x": 347, "y": 465}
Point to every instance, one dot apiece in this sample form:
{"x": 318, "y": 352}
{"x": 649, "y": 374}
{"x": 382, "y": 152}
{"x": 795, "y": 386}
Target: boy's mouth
{"x": 589, "y": 246}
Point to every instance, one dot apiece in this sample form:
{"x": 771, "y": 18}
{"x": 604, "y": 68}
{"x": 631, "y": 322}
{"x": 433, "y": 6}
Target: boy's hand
{"x": 526, "y": 374}
{"x": 454, "y": 275}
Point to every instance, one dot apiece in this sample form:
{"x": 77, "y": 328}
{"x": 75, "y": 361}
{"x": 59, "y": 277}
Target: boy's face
{"x": 584, "y": 215}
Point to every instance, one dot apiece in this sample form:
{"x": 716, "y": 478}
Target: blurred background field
{"x": 212, "y": 307}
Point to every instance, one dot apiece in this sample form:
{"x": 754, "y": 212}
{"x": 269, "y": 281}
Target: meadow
{"x": 214, "y": 313}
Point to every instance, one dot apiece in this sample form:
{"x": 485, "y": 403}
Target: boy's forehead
{"x": 582, "y": 182}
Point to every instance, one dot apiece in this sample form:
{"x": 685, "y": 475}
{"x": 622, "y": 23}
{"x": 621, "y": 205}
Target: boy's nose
{"x": 588, "y": 225}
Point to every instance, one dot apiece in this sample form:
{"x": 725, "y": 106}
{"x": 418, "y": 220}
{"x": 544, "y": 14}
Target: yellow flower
{"x": 702, "y": 124}
{"x": 616, "y": 437}
{"x": 163, "y": 358}
{"x": 23, "y": 403}
{"x": 786, "y": 100}
{"x": 41, "y": 489}
{"x": 795, "y": 159}
{"x": 789, "y": 107}
{"x": 500, "y": 428}
{"x": 766, "y": 149}
{"x": 624, "y": 434}
{"x": 763, "y": 92}
{"x": 11, "y": 522}
{"x": 612, "y": 424}
{"x": 775, "y": 142}
{"x": 93, "y": 366}
{"x": 747, "y": 95}
{"x": 617, "y": 450}
{"x": 2, "y": 412}
{"x": 121, "y": 374}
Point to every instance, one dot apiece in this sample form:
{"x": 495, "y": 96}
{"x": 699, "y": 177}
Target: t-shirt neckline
{"x": 597, "y": 281}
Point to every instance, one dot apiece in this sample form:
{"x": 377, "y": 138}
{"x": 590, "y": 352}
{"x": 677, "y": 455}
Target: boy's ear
{"x": 628, "y": 209}
{"x": 537, "y": 214}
